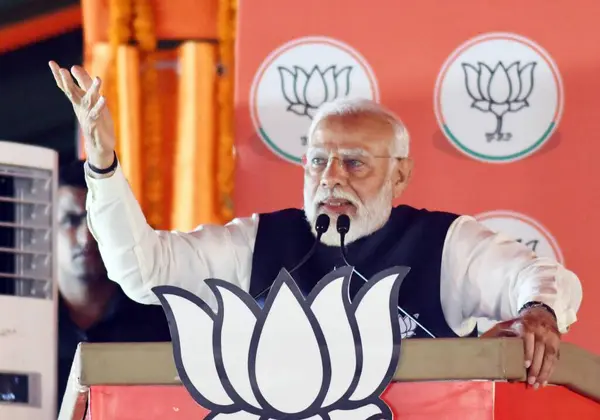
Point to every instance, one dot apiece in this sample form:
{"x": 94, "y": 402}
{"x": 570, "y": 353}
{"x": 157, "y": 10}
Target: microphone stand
{"x": 321, "y": 227}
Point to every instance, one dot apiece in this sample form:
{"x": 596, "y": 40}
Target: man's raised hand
{"x": 91, "y": 112}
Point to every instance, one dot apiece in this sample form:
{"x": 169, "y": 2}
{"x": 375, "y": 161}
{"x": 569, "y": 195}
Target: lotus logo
{"x": 320, "y": 357}
{"x": 498, "y": 97}
{"x": 306, "y": 91}
{"x": 297, "y": 78}
{"x": 501, "y": 90}
{"x": 408, "y": 325}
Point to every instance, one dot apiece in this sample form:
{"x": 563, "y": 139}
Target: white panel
{"x": 28, "y": 325}
{"x": 29, "y": 156}
{"x": 28, "y": 329}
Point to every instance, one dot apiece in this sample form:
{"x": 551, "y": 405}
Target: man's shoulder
{"x": 283, "y": 214}
{"x": 284, "y": 220}
{"x": 290, "y": 212}
{"x": 421, "y": 216}
{"x": 250, "y": 224}
{"x": 405, "y": 209}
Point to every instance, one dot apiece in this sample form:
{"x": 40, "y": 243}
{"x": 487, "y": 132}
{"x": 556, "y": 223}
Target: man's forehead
{"x": 355, "y": 151}
{"x": 362, "y": 131}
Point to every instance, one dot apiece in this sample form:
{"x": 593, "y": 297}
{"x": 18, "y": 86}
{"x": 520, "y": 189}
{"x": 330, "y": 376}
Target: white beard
{"x": 368, "y": 218}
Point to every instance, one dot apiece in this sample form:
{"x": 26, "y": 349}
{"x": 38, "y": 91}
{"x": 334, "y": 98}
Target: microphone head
{"x": 343, "y": 224}
{"x": 322, "y": 223}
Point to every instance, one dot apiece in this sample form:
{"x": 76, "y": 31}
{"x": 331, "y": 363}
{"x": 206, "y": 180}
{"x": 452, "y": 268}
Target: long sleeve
{"x": 138, "y": 258}
{"x": 488, "y": 275}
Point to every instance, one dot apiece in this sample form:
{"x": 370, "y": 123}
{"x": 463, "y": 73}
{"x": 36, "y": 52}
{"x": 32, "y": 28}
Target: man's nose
{"x": 334, "y": 175}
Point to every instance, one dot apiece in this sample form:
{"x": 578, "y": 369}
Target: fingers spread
{"x": 73, "y": 92}
{"x": 82, "y": 77}
{"x": 91, "y": 96}
{"x": 97, "y": 108}
{"x": 56, "y": 73}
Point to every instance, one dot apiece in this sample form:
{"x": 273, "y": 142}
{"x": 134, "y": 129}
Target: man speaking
{"x": 356, "y": 164}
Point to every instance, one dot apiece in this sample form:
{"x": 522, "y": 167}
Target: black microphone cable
{"x": 321, "y": 226}
{"x": 343, "y": 227}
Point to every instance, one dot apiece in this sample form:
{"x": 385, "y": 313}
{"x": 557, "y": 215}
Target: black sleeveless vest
{"x": 411, "y": 237}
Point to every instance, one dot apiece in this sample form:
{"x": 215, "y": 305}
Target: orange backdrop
{"x": 440, "y": 67}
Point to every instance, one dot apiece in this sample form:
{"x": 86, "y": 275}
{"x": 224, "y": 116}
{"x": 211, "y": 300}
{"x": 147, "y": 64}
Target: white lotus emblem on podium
{"x": 317, "y": 358}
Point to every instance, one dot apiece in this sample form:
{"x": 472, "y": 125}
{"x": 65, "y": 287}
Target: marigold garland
{"x": 119, "y": 33}
{"x": 134, "y": 20}
{"x": 225, "y": 153}
{"x": 153, "y": 183}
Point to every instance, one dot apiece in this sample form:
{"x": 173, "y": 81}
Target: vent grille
{"x": 26, "y": 220}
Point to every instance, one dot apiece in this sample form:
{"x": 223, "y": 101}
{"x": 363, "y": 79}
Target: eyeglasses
{"x": 353, "y": 161}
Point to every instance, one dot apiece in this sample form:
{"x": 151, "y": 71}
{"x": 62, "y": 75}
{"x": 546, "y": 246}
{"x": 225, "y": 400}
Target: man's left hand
{"x": 541, "y": 339}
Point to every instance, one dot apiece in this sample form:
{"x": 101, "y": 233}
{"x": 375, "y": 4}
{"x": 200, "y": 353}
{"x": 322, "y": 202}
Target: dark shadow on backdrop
{"x": 32, "y": 109}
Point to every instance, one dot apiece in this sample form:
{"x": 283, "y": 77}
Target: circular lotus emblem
{"x": 498, "y": 97}
{"x": 295, "y": 80}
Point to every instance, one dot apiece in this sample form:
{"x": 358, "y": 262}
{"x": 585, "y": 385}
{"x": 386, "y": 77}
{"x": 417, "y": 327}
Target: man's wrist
{"x": 101, "y": 161}
{"x": 94, "y": 175}
{"x": 537, "y": 305}
{"x": 104, "y": 170}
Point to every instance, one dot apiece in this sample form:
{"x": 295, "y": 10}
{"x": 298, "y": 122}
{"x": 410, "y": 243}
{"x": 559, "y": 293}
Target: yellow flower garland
{"x": 119, "y": 33}
{"x": 226, "y": 158}
{"x": 139, "y": 12}
{"x": 145, "y": 34}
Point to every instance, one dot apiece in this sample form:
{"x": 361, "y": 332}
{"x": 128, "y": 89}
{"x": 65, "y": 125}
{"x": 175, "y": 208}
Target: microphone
{"x": 321, "y": 226}
{"x": 343, "y": 227}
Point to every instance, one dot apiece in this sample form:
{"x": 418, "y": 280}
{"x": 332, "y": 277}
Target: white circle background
{"x": 516, "y": 225}
{"x": 268, "y": 106}
{"x": 469, "y": 125}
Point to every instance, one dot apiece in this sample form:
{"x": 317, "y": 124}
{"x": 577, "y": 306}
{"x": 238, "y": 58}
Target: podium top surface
{"x": 462, "y": 359}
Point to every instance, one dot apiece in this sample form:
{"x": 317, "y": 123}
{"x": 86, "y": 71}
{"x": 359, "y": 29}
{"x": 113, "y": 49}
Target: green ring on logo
{"x": 276, "y": 149}
{"x": 520, "y": 154}
{"x": 356, "y": 57}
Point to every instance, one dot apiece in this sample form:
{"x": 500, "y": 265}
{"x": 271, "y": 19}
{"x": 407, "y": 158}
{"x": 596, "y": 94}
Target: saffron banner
{"x": 482, "y": 88}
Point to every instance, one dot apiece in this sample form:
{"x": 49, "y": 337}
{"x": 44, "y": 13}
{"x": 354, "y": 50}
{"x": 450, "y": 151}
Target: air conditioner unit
{"x": 28, "y": 287}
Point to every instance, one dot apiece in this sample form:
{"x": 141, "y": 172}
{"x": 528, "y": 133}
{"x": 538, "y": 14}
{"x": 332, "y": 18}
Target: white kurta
{"x": 483, "y": 274}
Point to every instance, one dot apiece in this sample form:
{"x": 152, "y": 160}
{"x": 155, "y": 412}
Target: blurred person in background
{"x": 91, "y": 307}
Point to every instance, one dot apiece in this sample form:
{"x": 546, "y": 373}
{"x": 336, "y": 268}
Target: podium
{"x": 465, "y": 378}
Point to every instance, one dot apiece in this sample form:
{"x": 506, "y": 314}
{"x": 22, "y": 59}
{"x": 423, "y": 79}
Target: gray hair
{"x": 356, "y": 106}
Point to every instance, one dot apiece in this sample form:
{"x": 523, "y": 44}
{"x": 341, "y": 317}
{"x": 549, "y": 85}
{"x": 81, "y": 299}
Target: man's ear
{"x": 402, "y": 174}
